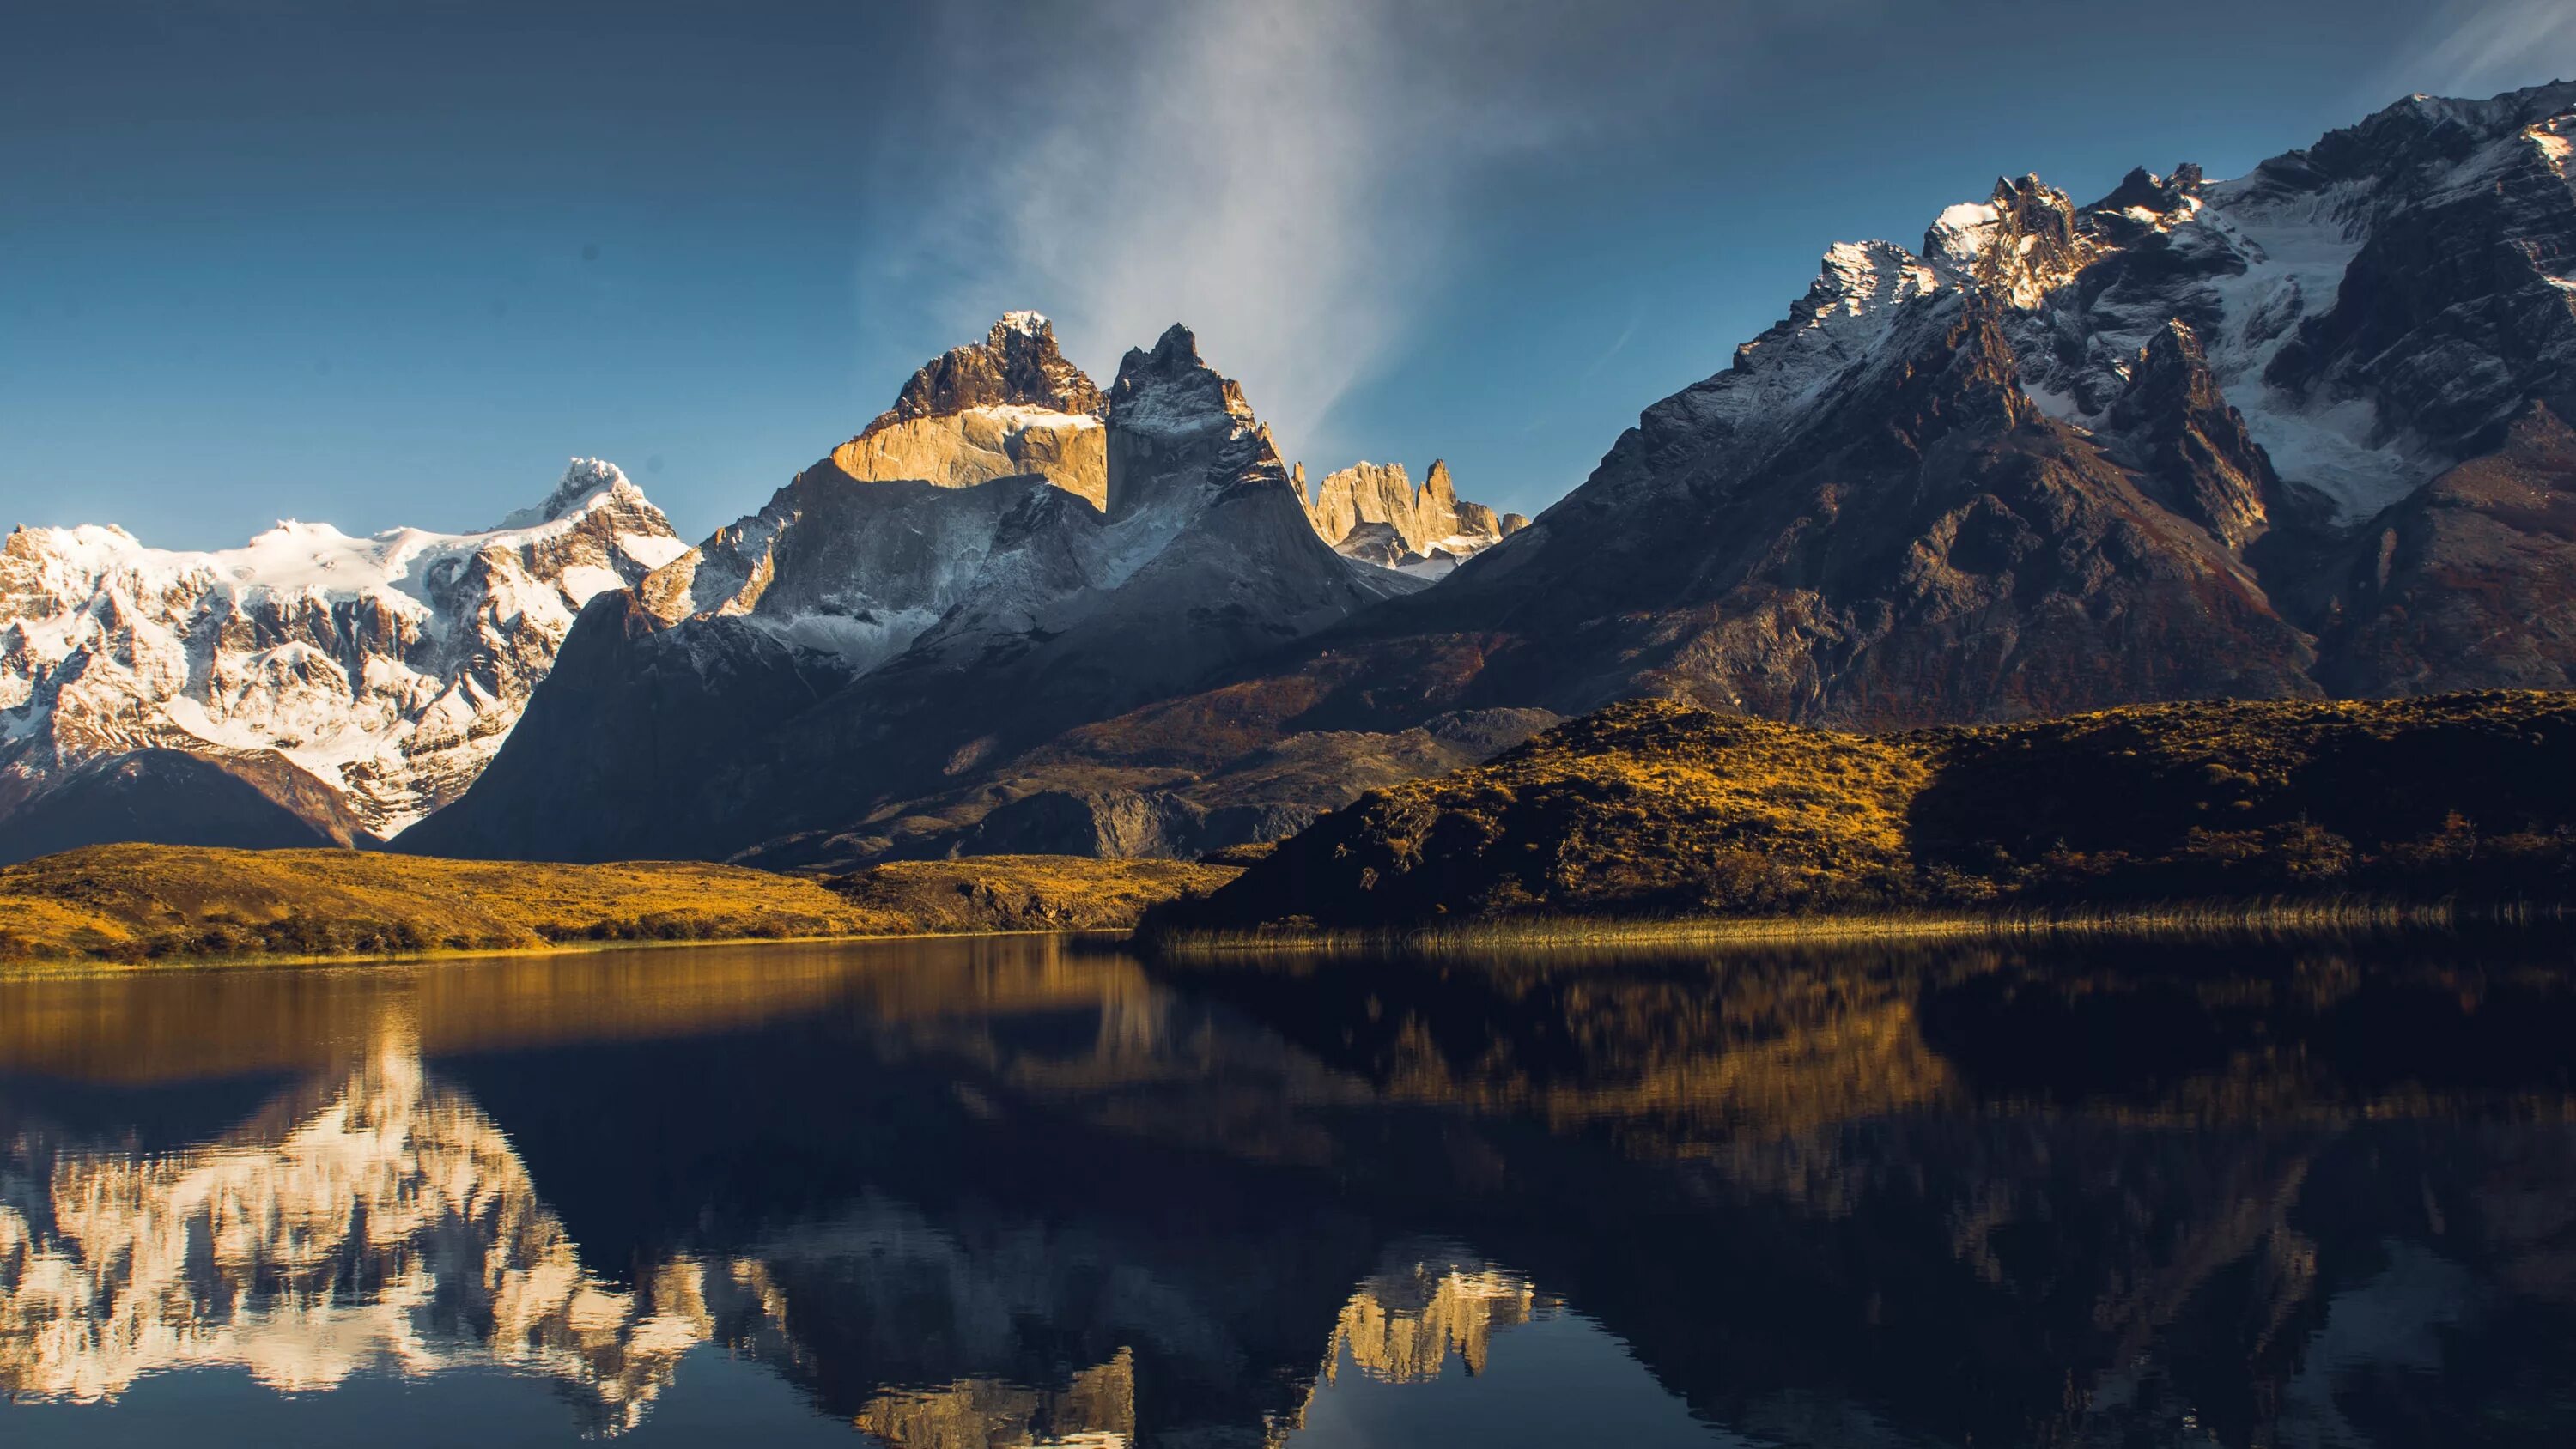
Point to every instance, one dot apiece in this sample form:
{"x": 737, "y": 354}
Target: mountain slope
{"x": 354, "y": 684}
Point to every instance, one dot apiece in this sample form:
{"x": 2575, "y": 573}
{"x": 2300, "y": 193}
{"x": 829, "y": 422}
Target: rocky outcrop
{"x": 1652, "y": 810}
{"x": 2467, "y": 584}
{"x": 982, "y": 444}
{"x": 1010, "y": 406}
{"x": 1372, "y": 512}
{"x": 353, "y": 684}
{"x": 1130, "y": 824}
{"x": 1016, "y": 365}
{"x": 1364, "y": 493}
{"x": 2186, "y": 440}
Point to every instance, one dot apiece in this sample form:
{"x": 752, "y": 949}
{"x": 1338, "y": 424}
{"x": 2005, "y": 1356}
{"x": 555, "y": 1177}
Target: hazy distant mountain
{"x": 307, "y": 688}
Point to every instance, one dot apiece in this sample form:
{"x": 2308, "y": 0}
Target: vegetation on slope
{"x": 154, "y": 902}
{"x": 1025, "y": 892}
{"x": 1654, "y": 809}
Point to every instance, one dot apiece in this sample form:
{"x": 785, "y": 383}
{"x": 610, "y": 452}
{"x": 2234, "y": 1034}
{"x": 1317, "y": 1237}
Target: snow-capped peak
{"x": 2255, "y": 267}
{"x": 585, "y": 481}
{"x": 1027, "y": 324}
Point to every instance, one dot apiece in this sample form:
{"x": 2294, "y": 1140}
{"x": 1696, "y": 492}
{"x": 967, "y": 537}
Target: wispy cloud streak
{"x": 1286, "y": 178}
{"x": 2480, "y": 47}
{"x": 1276, "y": 176}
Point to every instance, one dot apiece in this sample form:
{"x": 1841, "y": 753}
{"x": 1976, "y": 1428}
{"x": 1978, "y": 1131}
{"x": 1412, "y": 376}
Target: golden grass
{"x": 139, "y": 903}
{"x": 1026, "y": 892}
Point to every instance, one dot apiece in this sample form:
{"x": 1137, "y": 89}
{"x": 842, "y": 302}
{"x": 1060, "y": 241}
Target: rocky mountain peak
{"x": 1010, "y": 406}
{"x": 2021, "y": 242}
{"x": 1372, "y": 512}
{"x": 584, "y": 480}
{"x": 1170, "y": 389}
{"x": 1016, "y": 365}
{"x": 1179, "y": 429}
{"x": 2144, "y": 190}
{"x": 1438, "y": 488}
{"x": 2414, "y": 138}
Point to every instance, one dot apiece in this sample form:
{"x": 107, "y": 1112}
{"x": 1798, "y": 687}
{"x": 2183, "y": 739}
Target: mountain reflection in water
{"x": 1024, "y": 1191}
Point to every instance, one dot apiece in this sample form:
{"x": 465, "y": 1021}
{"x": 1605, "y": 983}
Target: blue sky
{"x": 380, "y": 264}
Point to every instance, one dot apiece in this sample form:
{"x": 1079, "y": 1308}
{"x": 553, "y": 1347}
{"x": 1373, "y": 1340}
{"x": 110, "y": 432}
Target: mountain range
{"x": 2300, "y": 434}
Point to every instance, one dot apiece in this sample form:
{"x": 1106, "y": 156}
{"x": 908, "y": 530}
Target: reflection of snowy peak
{"x": 386, "y": 669}
{"x": 390, "y": 1224}
{"x": 376, "y": 1220}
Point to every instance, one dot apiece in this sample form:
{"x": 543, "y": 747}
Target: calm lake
{"x": 1023, "y": 1191}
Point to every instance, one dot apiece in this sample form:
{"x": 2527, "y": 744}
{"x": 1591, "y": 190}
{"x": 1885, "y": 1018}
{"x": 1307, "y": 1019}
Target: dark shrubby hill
{"x": 1654, "y": 809}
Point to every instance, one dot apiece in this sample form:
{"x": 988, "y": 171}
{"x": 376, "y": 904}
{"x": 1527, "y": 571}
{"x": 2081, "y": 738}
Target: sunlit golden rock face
{"x": 1403, "y": 1325}
{"x": 359, "y": 1235}
{"x": 1097, "y": 1410}
{"x": 1412, "y": 525}
{"x": 960, "y": 450}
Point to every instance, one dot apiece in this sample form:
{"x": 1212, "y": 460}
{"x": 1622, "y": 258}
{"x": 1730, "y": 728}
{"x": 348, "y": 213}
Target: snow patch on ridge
{"x": 1028, "y": 415}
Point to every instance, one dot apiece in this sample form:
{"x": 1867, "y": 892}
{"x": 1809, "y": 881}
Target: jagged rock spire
{"x": 1018, "y": 362}
{"x": 2185, "y": 436}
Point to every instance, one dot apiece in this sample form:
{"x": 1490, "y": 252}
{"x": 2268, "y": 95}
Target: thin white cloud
{"x": 1246, "y": 178}
{"x": 1275, "y": 176}
{"x": 2483, "y": 47}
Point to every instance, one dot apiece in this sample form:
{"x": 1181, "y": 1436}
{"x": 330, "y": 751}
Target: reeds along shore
{"x": 2181, "y": 919}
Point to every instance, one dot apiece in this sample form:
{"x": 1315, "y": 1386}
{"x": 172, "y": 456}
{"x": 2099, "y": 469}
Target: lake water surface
{"x": 1023, "y": 1191}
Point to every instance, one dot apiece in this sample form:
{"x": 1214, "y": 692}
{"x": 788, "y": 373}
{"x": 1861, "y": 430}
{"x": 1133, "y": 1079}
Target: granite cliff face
{"x": 1009, "y": 406}
{"x": 1372, "y": 512}
{"x": 306, "y": 688}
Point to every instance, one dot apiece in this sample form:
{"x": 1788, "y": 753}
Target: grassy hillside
{"x": 154, "y": 902}
{"x": 1657, "y": 810}
{"x": 1025, "y": 892}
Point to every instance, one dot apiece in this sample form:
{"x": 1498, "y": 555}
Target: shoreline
{"x": 2146, "y": 921}
{"x": 2270, "y": 917}
{"x": 68, "y": 966}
